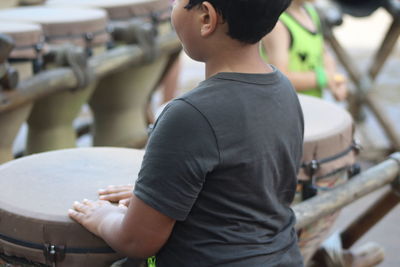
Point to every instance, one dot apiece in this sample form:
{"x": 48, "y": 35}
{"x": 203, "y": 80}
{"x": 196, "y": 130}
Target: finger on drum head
{"x": 79, "y": 206}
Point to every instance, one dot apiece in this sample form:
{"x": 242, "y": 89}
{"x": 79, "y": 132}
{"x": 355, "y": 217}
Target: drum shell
{"x": 41, "y": 218}
{"x": 51, "y": 119}
{"x": 328, "y": 133}
{"x": 120, "y": 100}
{"x": 26, "y": 38}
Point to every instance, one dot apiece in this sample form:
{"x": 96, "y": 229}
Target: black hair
{"x": 248, "y": 20}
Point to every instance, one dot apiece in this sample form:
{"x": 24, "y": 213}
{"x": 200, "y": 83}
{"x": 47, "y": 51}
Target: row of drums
{"x": 118, "y": 102}
{"x": 35, "y": 227}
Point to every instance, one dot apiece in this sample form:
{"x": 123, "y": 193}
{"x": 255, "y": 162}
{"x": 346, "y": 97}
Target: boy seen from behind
{"x": 219, "y": 171}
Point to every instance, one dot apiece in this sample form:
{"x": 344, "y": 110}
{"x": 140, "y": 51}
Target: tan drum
{"x": 28, "y": 39}
{"x": 41, "y": 188}
{"x": 8, "y": 3}
{"x": 328, "y": 157}
{"x": 50, "y": 123}
{"x": 119, "y": 103}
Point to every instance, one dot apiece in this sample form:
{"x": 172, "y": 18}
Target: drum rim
{"x": 8, "y": 207}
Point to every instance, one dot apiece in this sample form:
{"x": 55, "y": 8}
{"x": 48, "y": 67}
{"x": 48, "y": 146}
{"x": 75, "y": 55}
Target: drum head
{"x": 26, "y": 37}
{"x": 117, "y": 9}
{"x": 61, "y": 24}
{"x": 328, "y": 131}
{"x": 39, "y": 190}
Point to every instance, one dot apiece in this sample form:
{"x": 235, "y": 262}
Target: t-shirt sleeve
{"x": 182, "y": 149}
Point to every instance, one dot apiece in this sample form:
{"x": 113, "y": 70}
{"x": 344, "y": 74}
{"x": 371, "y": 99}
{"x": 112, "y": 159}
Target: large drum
{"x": 51, "y": 120}
{"x": 328, "y": 158}
{"x": 28, "y": 39}
{"x": 119, "y": 102}
{"x": 8, "y": 3}
{"x": 34, "y": 224}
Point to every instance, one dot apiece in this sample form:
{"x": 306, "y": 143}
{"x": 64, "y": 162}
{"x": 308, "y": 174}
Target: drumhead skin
{"x": 328, "y": 131}
{"x": 61, "y": 24}
{"x": 117, "y": 9}
{"x": 41, "y": 188}
{"x": 25, "y": 35}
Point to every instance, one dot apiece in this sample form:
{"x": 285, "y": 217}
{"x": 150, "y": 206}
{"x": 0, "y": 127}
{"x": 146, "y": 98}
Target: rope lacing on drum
{"x": 144, "y": 34}
{"x": 68, "y": 55}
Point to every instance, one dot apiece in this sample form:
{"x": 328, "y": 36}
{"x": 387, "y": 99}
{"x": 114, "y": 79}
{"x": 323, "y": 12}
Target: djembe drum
{"x": 328, "y": 160}
{"x": 119, "y": 102}
{"x": 51, "y": 120}
{"x": 28, "y": 40}
{"x": 8, "y": 3}
{"x": 34, "y": 225}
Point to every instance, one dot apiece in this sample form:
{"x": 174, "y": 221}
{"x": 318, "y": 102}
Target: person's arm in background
{"x": 337, "y": 83}
{"x": 276, "y": 45}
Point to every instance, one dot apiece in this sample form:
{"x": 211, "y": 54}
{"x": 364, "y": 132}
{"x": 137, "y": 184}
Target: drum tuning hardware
{"x": 38, "y": 62}
{"x": 89, "y": 37}
{"x": 356, "y": 147}
{"x": 311, "y": 167}
{"x": 8, "y": 75}
{"x": 53, "y": 253}
{"x": 354, "y": 170}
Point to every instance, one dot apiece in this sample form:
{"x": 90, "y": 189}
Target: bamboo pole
{"x": 374, "y": 178}
{"x": 60, "y": 79}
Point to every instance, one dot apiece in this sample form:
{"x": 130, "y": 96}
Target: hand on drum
{"x": 117, "y": 193}
{"x": 92, "y": 214}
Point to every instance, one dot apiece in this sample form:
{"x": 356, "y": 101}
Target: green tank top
{"x": 306, "y": 48}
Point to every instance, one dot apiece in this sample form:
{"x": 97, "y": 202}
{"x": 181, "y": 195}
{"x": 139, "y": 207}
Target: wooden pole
{"x": 369, "y": 218}
{"x": 366, "y": 182}
{"x": 384, "y": 121}
{"x": 60, "y": 79}
{"x": 386, "y": 48}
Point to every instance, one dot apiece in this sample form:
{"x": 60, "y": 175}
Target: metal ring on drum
{"x": 28, "y": 40}
{"x": 328, "y": 154}
{"x": 120, "y": 100}
{"x": 36, "y": 222}
{"x": 51, "y": 120}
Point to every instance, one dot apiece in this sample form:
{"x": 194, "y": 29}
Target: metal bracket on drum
{"x": 311, "y": 168}
{"x": 53, "y": 254}
{"x": 137, "y": 31}
{"x": 74, "y": 57}
{"x": 8, "y": 75}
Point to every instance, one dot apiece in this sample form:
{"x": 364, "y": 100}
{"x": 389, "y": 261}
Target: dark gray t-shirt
{"x": 222, "y": 160}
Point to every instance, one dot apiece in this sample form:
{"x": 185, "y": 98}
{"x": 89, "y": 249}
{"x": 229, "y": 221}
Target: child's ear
{"x": 208, "y": 19}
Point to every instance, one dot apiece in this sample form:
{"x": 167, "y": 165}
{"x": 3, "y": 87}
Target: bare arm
{"x": 337, "y": 83}
{"x": 276, "y": 45}
{"x": 138, "y": 231}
